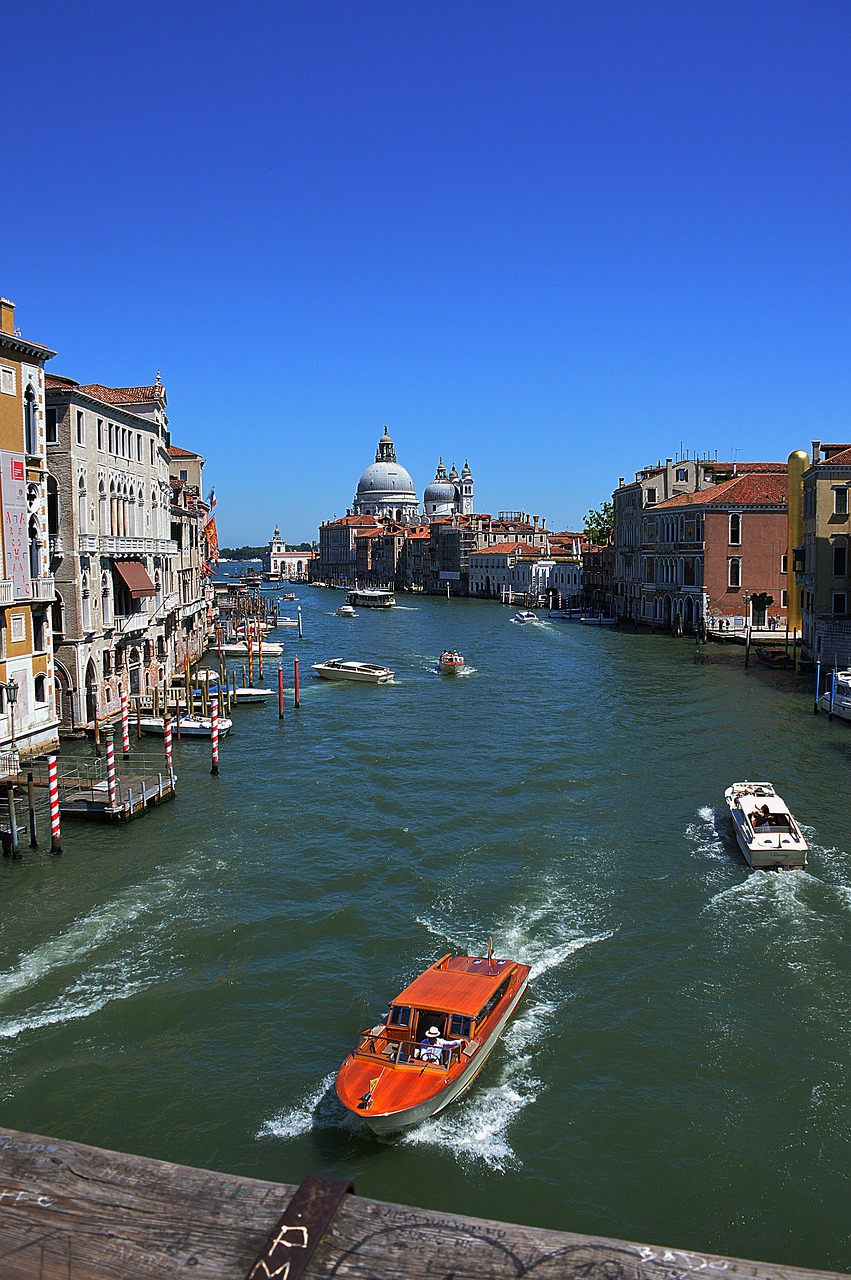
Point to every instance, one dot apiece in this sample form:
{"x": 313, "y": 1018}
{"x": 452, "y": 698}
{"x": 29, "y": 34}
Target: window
{"x": 838, "y": 602}
{"x": 81, "y": 428}
{"x": 459, "y": 1026}
{"x": 840, "y": 501}
{"x": 651, "y": 496}
{"x": 784, "y": 598}
{"x": 734, "y": 571}
{"x": 840, "y": 558}
{"x": 784, "y": 564}
{"x": 184, "y": 475}
{"x": 38, "y": 618}
{"x": 492, "y": 1002}
{"x": 111, "y": 438}
{"x": 30, "y": 425}
{"x": 400, "y": 1015}
{"x": 7, "y": 381}
{"x": 100, "y": 434}
{"x": 682, "y": 474}
{"x": 735, "y": 529}
{"x": 40, "y": 689}
{"x": 139, "y": 447}
{"x": 52, "y": 426}
{"x": 19, "y": 628}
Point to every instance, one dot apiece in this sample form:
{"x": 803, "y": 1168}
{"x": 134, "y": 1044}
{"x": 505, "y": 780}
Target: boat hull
{"x": 155, "y": 727}
{"x": 393, "y": 1121}
{"x": 770, "y": 848}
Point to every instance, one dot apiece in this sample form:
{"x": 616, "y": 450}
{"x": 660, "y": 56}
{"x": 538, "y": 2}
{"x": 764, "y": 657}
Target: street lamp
{"x": 10, "y": 688}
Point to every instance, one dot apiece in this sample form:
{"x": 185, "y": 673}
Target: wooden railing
{"x": 72, "y": 1212}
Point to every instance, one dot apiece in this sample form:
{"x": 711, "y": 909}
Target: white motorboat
{"x": 287, "y": 622}
{"x": 365, "y": 672}
{"x": 191, "y": 726}
{"x": 270, "y": 650}
{"x": 248, "y": 697}
{"x": 840, "y": 703}
{"x": 766, "y": 832}
{"x": 597, "y": 620}
{"x": 346, "y": 611}
{"x": 525, "y": 615}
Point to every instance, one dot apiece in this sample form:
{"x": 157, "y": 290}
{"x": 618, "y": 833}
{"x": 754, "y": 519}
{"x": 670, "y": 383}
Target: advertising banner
{"x": 13, "y": 493}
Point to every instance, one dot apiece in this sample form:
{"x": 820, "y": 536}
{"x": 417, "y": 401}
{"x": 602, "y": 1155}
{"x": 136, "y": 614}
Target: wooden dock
{"x": 73, "y": 1212}
{"x": 134, "y": 794}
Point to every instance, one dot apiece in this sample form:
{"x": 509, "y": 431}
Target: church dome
{"x": 439, "y": 491}
{"x": 386, "y": 489}
{"x": 386, "y": 478}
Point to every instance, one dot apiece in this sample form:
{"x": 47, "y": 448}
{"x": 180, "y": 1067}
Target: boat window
{"x": 400, "y": 1015}
{"x": 493, "y": 1002}
{"x": 459, "y": 1026}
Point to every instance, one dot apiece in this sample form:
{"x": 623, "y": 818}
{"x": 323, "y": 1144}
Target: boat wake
{"x": 707, "y": 840}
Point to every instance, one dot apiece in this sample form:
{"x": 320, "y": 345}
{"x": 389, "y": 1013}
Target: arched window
{"x": 35, "y": 548}
{"x": 87, "y": 606}
{"x": 734, "y": 571}
{"x": 81, "y": 505}
{"x": 102, "y": 507}
{"x": 30, "y": 423}
{"x": 40, "y": 689}
{"x": 106, "y": 600}
{"x": 113, "y": 509}
{"x": 735, "y": 529}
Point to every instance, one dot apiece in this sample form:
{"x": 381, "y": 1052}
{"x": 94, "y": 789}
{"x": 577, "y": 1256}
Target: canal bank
{"x": 186, "y": 987}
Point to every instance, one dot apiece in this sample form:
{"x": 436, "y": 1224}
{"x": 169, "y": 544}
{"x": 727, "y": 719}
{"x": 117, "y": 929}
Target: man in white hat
{"x": 431, "y": 1049}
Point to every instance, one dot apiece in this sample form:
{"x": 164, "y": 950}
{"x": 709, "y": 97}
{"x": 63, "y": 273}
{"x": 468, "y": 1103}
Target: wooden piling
{"x": 13, "y": 821}
{"x": 31, "y": 807}
{"x": 818, "y": 685}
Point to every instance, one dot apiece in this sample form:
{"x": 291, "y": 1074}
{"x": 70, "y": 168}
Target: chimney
{"x": 622, "y": 481}
{"x": 816, "y": 452}
{"x": 534, "y": 522}
{"x": 7, "y": 316}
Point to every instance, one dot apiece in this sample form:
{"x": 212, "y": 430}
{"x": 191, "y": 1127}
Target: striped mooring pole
{"x": 296, "y": 700}
{"x": 260, "y": 650}
{"x": 280, "y": 691}
{"x": 249, "y": 635}
{"x": 125, "y": 724}
{"x": 818, "y": 685}
{"x": 110, "y": 764}
{"x": 169, "y": 763}
{"x": 53, "y": 797}
{"x": 214, "y": 737}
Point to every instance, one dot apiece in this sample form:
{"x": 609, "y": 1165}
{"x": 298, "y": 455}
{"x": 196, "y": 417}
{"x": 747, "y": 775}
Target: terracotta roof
{"x": 507, "y": 549}
{"x": 753, "y": 489}
{"x": 124, "y": 395}
{"x": 55, "y": 380}
{"x": 843, "y": 458}
{"x": 741, "y": 467}
{"x": 174, "y": 452}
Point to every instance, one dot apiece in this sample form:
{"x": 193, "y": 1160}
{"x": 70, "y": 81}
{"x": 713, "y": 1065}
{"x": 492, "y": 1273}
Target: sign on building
{"x": 13, "y": 493}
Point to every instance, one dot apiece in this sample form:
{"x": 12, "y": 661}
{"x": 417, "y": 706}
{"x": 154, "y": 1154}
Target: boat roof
{"x": 461, "y": 984}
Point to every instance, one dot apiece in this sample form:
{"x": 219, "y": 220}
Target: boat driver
{"x": 432, "y": 1046}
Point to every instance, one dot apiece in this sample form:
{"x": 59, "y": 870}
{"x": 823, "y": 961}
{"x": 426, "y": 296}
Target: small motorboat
{"x": 525, "y": 615}
{"x": 775, "y": 659}
{"x": 287, "y": 622}
{"x": 270, "y": 649}
{"x": 451, "y": 661}
{"x": 365, "y": 672}
{"x": 836, "y": 699}
{"x": 191, "y": 726}
{"x": 251, "y": 697}
{"x": 289, "y": 595}
{"x": 767, "y": 834}
{"x": 346, "y": 611}
{"x": 597, "y": 620}
{"x": 432, "y": 1042}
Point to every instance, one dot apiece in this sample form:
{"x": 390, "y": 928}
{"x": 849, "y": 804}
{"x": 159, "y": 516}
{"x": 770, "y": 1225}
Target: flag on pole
{"x": 211, "y": 504}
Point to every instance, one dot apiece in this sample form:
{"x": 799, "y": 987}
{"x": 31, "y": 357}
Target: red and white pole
{"x": 125, "y": 725}
{"x": 249, "y": 632}
{"x": 214, "y": 736}
{"x": 167, "y": 738}
{"x": 110, "y": 765}
{"x": 53, "y": 796}
{"x": 280, "y": 691}
{"x": 260, "y": 649}
{"x": 297, "y": 700}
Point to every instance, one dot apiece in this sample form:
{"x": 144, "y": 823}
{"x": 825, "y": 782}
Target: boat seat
{"x": 389, "y": 1051}
{"x": 470, "y": 1048}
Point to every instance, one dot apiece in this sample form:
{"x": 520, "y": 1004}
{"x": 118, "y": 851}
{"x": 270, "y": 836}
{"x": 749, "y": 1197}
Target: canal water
{"x": 185, "y": 987}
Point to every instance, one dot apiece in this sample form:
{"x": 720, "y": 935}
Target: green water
{"x": 186, "y": 987}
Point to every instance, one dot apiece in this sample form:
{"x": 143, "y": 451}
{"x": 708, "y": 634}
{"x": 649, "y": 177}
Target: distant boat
{"x": 776, "y": 659}
{"x": 364, "y": 672}
{"x": 270, "y": 649}
{"x": 432, "y": 1043}
{"x": 451, "y": 661}
{"x": 346, "y": 611}
{"x": 597, "y": 620}
{"x": 369, "y": 598}
{"x": 525, "y": 615}
{"x": 767, "y": 834}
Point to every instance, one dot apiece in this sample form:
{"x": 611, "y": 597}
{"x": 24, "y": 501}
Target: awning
{"x": 136, "y": 578}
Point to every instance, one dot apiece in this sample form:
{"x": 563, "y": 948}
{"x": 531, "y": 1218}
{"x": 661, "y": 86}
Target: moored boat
{"x": 766, "y": 832}
{"x": 365, "y": 672}
{"x": 597, "y": 620}
{"x": 191, "y": 726}
{"x": 451, "y": 661}
{"x": 432, "y": 1042}
{"x": 837, "y": 698}
{"x": 270, "y": 649}
{"x": 246, "y": 696}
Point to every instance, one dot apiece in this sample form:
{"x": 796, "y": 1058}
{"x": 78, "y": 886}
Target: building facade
{"x": 823, "y": 563}
{"x": 28, "y": 717}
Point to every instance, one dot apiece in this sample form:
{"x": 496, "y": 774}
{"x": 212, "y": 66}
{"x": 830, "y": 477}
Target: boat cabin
{"x": 462, "y": 996}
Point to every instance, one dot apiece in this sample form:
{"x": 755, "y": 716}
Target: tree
{"x": 599, "y": 524}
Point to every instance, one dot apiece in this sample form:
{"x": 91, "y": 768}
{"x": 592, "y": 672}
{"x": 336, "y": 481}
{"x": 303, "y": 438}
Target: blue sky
{"x": 558, "y": 239}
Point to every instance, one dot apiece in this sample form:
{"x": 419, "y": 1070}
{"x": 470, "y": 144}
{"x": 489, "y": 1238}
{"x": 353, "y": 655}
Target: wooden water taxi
{"x": 364, "y": 672}
{"x": 767, "y": 834}
{"x": 451, "y": 661}
{"x": 433, "y": 1041}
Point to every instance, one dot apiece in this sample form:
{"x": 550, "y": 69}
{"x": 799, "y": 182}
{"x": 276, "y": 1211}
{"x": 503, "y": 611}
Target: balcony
{"x": 87, "y": 543}
{"x": 128, "y": 624}
{"x": 171, "y": 602}
{"x": 7, "y": 591}
{"x": 56, "y": 546}
{"x": 44, "y": 590}
{"x": 110, "y": 545}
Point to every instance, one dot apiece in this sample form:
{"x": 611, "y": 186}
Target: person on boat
{"x": 762, "y": 817}
{"x": 433, "y": 1044}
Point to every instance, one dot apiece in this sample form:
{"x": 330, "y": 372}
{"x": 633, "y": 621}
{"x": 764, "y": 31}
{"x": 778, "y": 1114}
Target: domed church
{"x": 450, "y": 494}
{"x": 386, "y": 490}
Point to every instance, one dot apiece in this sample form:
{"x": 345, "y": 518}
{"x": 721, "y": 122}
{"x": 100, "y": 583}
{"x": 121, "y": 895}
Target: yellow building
{"x": 28, "y": 719}
{"x": 823, "y": 563}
